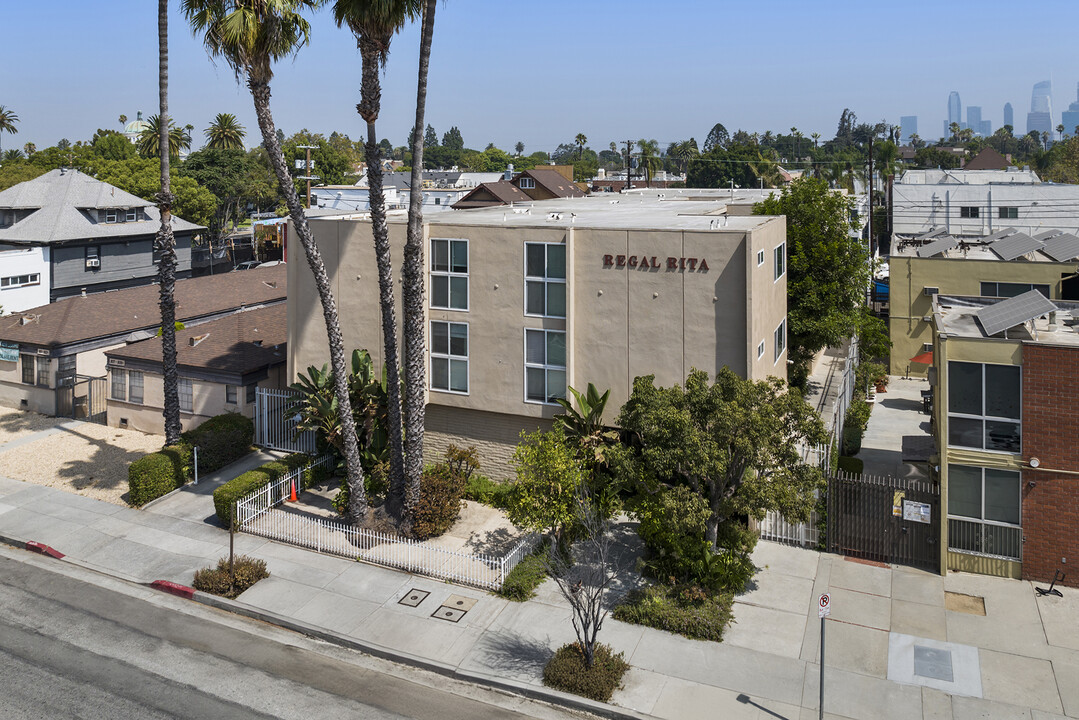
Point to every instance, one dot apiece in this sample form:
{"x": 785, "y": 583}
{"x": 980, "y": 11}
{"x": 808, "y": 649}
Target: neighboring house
{"x": 522, "y": 305}
{"x": 975, "y": 203}
{"x": 1006, "y": 409}
{"x": 220, "y": 363}
{"x": 542, "y": 183}
{"x": 1001, "y": 265}
{"x": 24, "y": 278}
{"x": 440, "y": 190}
{"x": 988, "y": 159}
{"x": 50, "y": 356}
{"x": 98, "y": 236}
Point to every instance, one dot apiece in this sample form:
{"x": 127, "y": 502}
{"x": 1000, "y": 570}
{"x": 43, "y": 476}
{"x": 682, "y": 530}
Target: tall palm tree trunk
{"x": 357, "y": 507}
{"x": 413, "y": 274}
{"x": 166, "y": 243}
{"x": 370, "y": 100}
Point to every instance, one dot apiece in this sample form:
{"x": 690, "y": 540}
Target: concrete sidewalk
{"x": 889, "y": 634}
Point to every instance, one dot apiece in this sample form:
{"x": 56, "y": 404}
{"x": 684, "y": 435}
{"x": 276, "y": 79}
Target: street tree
{"x": 251, "y": 37}
{"x": 736, "y": 442}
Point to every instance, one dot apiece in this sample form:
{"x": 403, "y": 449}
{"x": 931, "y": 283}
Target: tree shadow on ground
{"x": 101, "y": 470}
{"x": 16, "y": 424}
{"x": 495, "y": 542}
{"x": 512, "y": 655}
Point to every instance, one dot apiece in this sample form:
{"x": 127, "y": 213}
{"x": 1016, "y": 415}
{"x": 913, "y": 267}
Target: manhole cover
{"x": 958, "y": 602}
{"x": 460, "y": 602}
{"x": 413, "y": 597}
{"x": 933, "y": 663}
{"x": 451, "y": 614}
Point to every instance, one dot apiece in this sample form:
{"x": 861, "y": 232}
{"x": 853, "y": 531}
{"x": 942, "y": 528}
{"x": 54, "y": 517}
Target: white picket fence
{"x": 776, "y": 529}
{"x": 275, "y": 426}
{"x": 257, "y": 513}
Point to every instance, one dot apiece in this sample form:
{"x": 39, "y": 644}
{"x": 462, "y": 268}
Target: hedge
{"x": 439, "y": 503}
{"x": 241, "y": 485}
{"x": 157, "y": 474}
{"x": 566, "y": 671}
{"x": 221, "y": 440}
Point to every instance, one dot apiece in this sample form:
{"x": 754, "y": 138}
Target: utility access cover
{"x": 449, "y": 613}
{"x": 413, "y": 597}
{"x": 933, "y": 663}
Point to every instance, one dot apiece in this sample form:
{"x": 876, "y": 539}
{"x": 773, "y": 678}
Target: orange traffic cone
{"x": 292, "y": 497}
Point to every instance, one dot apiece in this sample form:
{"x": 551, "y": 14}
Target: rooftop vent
{"x": 196, "y": 339}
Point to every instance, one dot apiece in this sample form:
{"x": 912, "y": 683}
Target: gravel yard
{"x": 83, "y": 458}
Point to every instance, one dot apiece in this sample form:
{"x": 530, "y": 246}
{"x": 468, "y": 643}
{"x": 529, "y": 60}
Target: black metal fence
{"x": 83, "y": 398}
{"x": 886, "y": 519}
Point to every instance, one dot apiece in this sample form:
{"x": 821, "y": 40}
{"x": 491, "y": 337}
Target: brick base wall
{"x": 494, "y": 435}
{"x": 1051, "y": 434}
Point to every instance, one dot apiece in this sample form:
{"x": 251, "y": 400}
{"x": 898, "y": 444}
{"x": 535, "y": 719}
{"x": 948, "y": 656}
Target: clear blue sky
{"x": 542, "y": 71}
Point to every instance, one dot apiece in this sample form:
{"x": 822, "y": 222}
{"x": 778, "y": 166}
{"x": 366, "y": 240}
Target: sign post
{"x": 824, "y": 609}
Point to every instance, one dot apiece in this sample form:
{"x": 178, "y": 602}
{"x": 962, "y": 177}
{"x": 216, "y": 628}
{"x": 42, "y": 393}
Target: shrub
{"x": 234, "y": 489}
{"x": 566, "y": 671}
{"x": 462, "y": 462}
{"x": 482, "y": 489}
{"x": 684, "y": 609}
{"x": 375, "y": 482}
{"x": 439, "y": 503}
{"x": 157, "y": 474}
{"x": 221, "y": 440}
{"x": 248, "y": 571}
{"x": 851, "y": 464}
{"x": 522, "y": 581}
{"x": 673, "y": 521}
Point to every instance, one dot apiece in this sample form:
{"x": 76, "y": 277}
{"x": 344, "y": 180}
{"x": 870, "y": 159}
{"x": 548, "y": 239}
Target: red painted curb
{"x": 174, "y": 588}
{"x": 43, "y": 549}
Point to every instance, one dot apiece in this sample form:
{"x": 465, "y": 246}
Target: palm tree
{"x": 8, "y": 118}
{"x": 816, "y": 137}
{"x": 649, "y": 158}
{"x": 519, "y": 147}
{"x": 123, "y": 120}
{"x": 29, "y": 148}
{"x": 147, "y": 144}
{"x": 1060, "y": 130}
{"x": 165, "y": 242}
{"x": 225, "y": 133}
{"x": 954, "y": 130}
{"x": 580, "y": 141}
{"x": 683, "y": 152}
{"x": 374, "y": 25}
{"x": 251, "y": 36}
{"x": 1045, "y": 140}
{"x": 11, "y": 155}
{"x": 412, "y": 287}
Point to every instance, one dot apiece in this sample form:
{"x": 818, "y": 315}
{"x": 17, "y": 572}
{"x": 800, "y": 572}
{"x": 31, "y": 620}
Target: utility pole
{"x": 629, "y": 181}
{"x": 307, "y": 172}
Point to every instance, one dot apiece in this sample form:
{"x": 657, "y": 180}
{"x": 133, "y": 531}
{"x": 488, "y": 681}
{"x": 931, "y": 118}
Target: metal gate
{"x": 275, "y": 424}
{"x": 83, "y": 398}
{"x": 887, "y": 519}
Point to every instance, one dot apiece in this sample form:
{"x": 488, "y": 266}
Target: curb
{"x": 173, "y": 588}
{"x": 43, "y": 549}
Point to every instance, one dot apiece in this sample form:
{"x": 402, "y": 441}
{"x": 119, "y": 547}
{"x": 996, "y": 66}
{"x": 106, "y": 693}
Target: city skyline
{"x": 504, "y": 74}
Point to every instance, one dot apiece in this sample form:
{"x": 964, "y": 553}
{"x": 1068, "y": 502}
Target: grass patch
{"x": 566, "y": 671}
{"x": 529, "y": 574}
{"x": 215, "y": 580}
{"x": 482, "y": 489}
{"x": 686, "y": 610}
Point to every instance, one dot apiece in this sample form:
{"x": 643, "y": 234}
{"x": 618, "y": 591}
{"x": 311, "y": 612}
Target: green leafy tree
{"x": 8, "y": 118}
{"x": 111, "y": 145}
{"x": 519, "y": 147}
{"x": 827, "y": 269}
{"x": 735, "y": 442}
{"x": 13, "y": 173}
{"x": 583, "y": 425}
{"x": 549, "y": 475}
{"x": 430, "y": 137}
{"x": 225, "y": 133}
{"x": 718, "y": 137}
{"x": 234, "y": 177}
{"x": 251, "y": 37}
{"x": 452, "y": 139}
{"x": 141, "y": 177}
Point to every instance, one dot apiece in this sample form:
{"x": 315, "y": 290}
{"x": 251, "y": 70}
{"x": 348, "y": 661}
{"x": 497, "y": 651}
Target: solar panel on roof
{"x": 999, "y": 234}
{"x": 931, "y": 234}
{"x": 1048, "y": 234}
{"x": 937, "y": 247}
{"x": 1014, "y": 246}
{"x": 1013, "y": 311}
{"x": 1062, "y": 248}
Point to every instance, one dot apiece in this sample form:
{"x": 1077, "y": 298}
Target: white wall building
{"x": 24, "y": 279}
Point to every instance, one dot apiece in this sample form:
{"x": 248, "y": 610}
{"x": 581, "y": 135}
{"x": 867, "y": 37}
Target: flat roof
{"x": 956, "y": 316}
{"x": 967, "y": 249}
{"x": 656, "y": 209}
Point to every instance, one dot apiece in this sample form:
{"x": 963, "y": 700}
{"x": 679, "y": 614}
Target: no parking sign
{"x": 824, "y": 606}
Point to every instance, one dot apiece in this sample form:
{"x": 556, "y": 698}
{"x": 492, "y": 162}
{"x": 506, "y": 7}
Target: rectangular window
{"x": 134, "y": 385}
{"x": 968, "y": 212}
{"x": 15, "y": 281}
{"x": 545, "y": 365}
{"x": 545, "y": 279}
{"x": 110, "y": 216}
{"x": 119, "y": 384}
{"x": 1008, "y": 213}
{"x": 93, "y": 258}
{"x": 1005, "y": 289}
{"x": 760, "y": 258}
{"x": 187, "y": 398}
{"x": 779, "y": 338}
{"x": 780, "y": 255}
{"x": 449, "y": 274}
{"x": 42, "y": 371}
{"x": 760, "y": 350}
{"x": 528, "y": 183}
{"x": 249, "y": 393}
{"x": 28, "y": 369}
{"x": 984, "y": 515}
{"x": 131, "y": 215}
{"x": 230, "y": 394}
{"x": 449, "y": 357}
{"x": 984, "y": 406}
{"x": 65, "y": 371}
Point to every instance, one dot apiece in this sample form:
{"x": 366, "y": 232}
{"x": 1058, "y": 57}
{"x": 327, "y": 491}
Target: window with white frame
{"x": 187, "y": 398}
{"x": 984, "y": 406}
{"x": 760, "y": 258}
{"x": 780, "y": 260}
{"x": 984, "y": 511}
{"x": 110, "y": 216}
{"x": 545, "y": 365}
{"x": 449, "y": 274}
{"x": 545, "y": 279}
{"x": 131, "y": 215}
{"x": 760, "y": 350}
{"x": 134, "y": 387}
{"x": 230, "y": 395}
{"x": 779, "y": 339}
{"x": 449, "y": 356}
{"x": 119, "y": 384}
{"x": 15, "y": 281}
{"x": 528, "y": 183}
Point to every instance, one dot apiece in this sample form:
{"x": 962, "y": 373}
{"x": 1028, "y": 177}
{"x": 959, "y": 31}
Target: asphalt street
{"x": 70, "y": 648}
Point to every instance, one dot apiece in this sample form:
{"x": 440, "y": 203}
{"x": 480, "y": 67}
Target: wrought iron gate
{"x": 887, "y": 519}
{"x": 275, "y": 423}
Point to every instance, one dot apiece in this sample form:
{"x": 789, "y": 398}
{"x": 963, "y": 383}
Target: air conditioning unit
{"x": 927, "y": 347}
{"x": 93, "y": 262}
{"x": 930, "y": 291}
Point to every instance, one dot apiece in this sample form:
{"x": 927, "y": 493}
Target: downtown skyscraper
{"x": 1040, "y": 117}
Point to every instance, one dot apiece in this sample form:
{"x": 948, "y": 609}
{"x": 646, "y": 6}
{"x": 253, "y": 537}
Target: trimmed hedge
{"x": 247, "y": 571}
{"x": 440, "y": 502}
{"x": 566, "y": 671}
{"x": 686, "y": 610}
{"x": 520, "y": 585}
{"x": 221, "y": 440}
{"x": 157, "y": 474}
{"x": 234, "y": 489}
{"x": 850, "y": 464}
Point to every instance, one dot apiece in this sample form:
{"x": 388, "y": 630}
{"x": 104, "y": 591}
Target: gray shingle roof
{"x": 65, "y": 204}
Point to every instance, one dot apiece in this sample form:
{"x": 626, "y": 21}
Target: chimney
{"x": 83, "y": 293}
{"x": 196, "y": 339}
{"x": 509, "y": 173}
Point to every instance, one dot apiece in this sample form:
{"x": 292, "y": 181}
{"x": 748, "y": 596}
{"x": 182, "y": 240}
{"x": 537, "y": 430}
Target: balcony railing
{"x": 985, "y": 538}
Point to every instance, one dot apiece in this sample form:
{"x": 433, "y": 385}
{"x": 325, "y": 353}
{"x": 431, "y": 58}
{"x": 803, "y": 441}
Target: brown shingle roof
{"x": 502, "y": 192}
{"x": 106, "y": 314}
{"x": 554, "y": 182}
{"x": 987, "y": 159}
{"x": 227, "y": 345}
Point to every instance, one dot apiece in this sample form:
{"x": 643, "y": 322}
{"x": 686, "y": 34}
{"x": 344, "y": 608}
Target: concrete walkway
{"x": 894, "y": 648}
{"x": 897, "y": 439}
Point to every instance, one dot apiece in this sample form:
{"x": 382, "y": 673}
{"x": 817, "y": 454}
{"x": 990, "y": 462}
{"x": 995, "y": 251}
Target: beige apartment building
{"x": 523, "y": 301}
